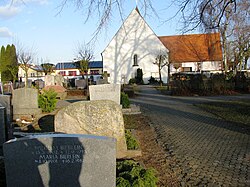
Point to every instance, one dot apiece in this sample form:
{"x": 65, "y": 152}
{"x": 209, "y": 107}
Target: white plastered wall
{"x": 134, "y": 37}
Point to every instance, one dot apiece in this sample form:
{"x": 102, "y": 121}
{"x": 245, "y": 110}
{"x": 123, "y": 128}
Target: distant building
{"x": 35, "y": 72}
{"x": 69, "y": 69}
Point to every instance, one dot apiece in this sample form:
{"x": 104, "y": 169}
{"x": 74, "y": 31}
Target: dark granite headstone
{"x": 5, "y": 101}
{"x": 61, "y": 160}
{"x": 2, "y": 125}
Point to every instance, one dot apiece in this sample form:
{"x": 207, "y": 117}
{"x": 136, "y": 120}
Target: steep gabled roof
{"x": 134, "y": 12}
{"x": 193, "y": 47}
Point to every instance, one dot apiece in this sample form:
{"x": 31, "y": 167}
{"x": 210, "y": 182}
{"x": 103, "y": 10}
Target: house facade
{"x": 69, "y": 69}
{"x": 135, "y": 45}
{"x": 34, "y": 72}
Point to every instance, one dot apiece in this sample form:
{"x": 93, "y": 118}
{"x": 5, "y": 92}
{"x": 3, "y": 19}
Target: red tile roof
{"x": 193, "y": 47}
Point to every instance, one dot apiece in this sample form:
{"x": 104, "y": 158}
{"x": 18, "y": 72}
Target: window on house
{"x": 135, "y": 60}
{"x": 32, "y": 74}
{"x": 94, "y": 72}
{"x": 63, "y": 73}
{"x": 187, "y": 69}
{"x": 72, "y": 73}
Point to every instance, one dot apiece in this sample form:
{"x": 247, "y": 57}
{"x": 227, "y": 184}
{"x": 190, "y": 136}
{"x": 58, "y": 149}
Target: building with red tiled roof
{"x": 204, "y": 51}
{"x": 193, "y": 47}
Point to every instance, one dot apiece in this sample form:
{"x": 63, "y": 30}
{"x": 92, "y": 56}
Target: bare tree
{"x": 161, "y": 61}
{"x": 213, "y": 20}
{"x": 193, "y": 12}
{"x": 48, "y": 68}
{"x": 241, "y": 33}
{"x": 25, "y": 58}
{"x": 234, "y": 26}
{"x": 84, "y": 56}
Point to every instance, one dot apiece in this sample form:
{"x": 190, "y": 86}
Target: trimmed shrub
{"x": 152, "y": 80}
{"x": 132, "y": 81}
{"x": 130, "y": 174}
{"x": 218, "y": 83}
{"x": 132, "y": 143}
{"x": 125, "y": 100}
{"x": 139, "y": 76}
{"x": 47, "y": 100}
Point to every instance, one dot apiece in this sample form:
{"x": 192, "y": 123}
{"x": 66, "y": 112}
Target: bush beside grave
{"x": 132, "y": 143}
{"x": 131, "y": 174}
{"x": 47, "y": 100}
{"x": 125, "y": 100}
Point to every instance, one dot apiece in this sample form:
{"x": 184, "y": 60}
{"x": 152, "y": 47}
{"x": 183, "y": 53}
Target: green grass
{"x": 235, "y": 111}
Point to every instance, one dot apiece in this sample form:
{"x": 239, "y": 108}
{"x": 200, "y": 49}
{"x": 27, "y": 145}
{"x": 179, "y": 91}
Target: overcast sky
{"x": 54, "y": 37}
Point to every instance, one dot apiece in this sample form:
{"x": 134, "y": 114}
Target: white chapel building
{"x": 135, "y": 45}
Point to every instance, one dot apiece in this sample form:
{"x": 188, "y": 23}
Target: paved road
{"x": 205, "y": 150}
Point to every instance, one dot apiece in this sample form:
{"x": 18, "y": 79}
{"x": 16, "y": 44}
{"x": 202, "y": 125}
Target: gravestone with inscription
{"x": 59, "y": 80}
{"x": 60, "y": 160}
{"x": 25, "y": 103}
{"x": 103, "y": 118}
{"x": 106, "y": 92}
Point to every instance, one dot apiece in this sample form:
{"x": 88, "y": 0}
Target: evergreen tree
{"x": 13, "y": 64}
{"x": 2, "y": 58}
{"x": 8, "y": 63}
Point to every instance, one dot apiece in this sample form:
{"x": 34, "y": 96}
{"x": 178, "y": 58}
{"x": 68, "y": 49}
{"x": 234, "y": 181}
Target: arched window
{"x": 135, "y": 60}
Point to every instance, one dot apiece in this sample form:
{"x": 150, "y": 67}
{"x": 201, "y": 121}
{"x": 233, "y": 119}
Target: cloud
{"x": 40, "y": 2}
{"x": 16, "y": 6}
{"x": 9, "y": 11}
{"x": 5, "y": 32}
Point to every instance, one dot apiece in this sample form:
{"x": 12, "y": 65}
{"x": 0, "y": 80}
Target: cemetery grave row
{"x": 87, "y": 160}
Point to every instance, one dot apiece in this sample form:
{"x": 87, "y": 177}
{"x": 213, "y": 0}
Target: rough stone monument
{"x": 25, "y": 103}
{"x": 103, "y": 118}
{"x": 60, "y": 160}
{"x": 105, "y": 92}
{"x": 60, "y": 90}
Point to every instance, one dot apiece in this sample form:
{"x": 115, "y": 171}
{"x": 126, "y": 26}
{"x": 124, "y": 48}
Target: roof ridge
{"x": 190, "y": 34}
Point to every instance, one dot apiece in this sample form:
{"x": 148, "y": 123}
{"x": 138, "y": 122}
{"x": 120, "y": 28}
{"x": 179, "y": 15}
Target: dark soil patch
{"x": 153, "y": 155}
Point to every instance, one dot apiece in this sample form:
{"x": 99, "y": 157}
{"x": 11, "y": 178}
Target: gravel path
{"x": 204, "y": 149}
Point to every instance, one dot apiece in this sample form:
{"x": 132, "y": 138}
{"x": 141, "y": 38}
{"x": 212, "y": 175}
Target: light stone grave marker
{"x": 81, "y": 83}
{"x": 49, "y": 80}
{"x": 60, "y": 160}
{"x": 25, "y": 102}
{"x": 105, "y": 92}
{"x": 59, "y": 80}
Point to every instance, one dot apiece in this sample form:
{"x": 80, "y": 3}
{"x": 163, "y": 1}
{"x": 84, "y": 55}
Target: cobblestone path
{"x": 205, "y": 150}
